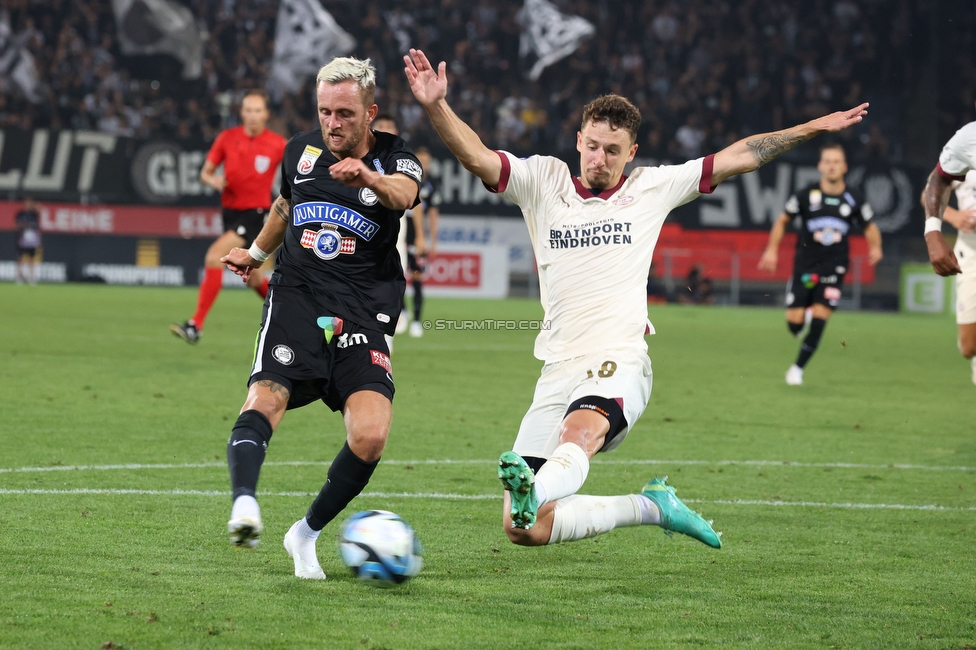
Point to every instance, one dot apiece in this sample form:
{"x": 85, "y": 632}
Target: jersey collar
{"x": 586, "y": 193}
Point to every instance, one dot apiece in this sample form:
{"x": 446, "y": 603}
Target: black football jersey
{"x": 824, "y": 223}
{"x": 341, "y": 242}
{"x": 430, "y": 197}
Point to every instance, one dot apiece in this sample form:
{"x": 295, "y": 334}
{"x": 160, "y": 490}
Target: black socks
{"x": 418, "y": 298}
{"x": 348, "y": 475}
{"x": 245, "y": 452}
{"x": 811, "y": 341}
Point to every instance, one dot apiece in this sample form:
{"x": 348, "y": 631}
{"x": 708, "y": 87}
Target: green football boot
{"x": 519, "y": 479}
{"x": 675, "y": 516}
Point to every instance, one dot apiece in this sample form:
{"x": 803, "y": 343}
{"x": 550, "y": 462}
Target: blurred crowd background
{"x": 703, "y": 72}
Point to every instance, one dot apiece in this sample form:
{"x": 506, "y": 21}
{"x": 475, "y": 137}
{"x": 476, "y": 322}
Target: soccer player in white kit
{"x": 956, "y": 169}
{"x": 593, "y": 236}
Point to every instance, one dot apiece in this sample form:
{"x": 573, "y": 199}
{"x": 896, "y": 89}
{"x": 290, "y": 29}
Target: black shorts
{"x": 808, "y": 288}
{"x": 246, "y": 223}
{"x": 29, "y": 252}
{"x": 416, "y": 263}
{"x": 318, "y": 356}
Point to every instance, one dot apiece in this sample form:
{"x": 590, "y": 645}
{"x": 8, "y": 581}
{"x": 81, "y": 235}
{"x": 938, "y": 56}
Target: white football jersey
{"x": 959, "y": 154}
{"x": 594, "y": 252}
{"x": 966, "y": 241}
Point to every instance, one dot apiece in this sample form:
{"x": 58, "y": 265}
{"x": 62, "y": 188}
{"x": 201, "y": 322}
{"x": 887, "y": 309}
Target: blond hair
{"x": 347, "y": 68}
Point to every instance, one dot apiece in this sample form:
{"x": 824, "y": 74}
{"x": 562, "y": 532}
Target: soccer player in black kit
{"x": 825, "y": 213}
{"x": 336, "y": 291}
{"x": 421, "y": 248}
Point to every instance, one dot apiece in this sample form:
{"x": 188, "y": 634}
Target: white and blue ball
{"x": 380, "y": 548}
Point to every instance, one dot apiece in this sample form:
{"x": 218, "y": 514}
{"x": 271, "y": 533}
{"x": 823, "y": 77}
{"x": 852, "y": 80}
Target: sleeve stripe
{"x": 946, "y": 175}
{"x": 503, "y": 176}
{"x": 705, "y": 184}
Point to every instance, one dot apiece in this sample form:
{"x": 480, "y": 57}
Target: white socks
{"x": 563, "y": 474}
{"x": 303, "y": 530}
{"x": 245, "y": 507}
{"x": 581, "y": 516}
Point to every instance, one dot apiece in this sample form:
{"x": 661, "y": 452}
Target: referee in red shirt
{"x": 251, "y": 155}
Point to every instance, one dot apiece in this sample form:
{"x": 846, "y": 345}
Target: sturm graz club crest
{"x": 368, "y": 196}
{"x": 327, "y": 244}
{"x": 283, "y": 354}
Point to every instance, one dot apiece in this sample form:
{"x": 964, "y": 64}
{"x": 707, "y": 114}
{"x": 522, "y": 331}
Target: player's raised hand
{"x": 841, "y": 119}
{"x": 240, "y": 262}
{"x": 940, "y": 255}
{"x": 428, "y": 85}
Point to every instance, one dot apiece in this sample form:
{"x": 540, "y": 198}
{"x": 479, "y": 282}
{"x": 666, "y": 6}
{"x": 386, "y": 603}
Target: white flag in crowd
{"x": 160, "y": 27}
{"x": 17, "y": 63}
{"x": 550, "y": 34}
{"x": 307, "y": 38}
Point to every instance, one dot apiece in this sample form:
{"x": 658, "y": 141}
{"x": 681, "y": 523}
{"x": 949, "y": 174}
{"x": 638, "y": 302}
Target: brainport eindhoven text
{"x": 608, "y": 233}
{"x": 487, "y": 324}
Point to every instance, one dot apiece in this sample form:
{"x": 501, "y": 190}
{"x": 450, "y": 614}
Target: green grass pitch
{"x": 848, "y": 504}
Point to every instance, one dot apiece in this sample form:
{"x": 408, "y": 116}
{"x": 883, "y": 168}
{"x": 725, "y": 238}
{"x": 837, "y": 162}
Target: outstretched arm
{"x": 935, "y": 197}
{"x": 749, "y": 154}
{"x": 429, "y": 86}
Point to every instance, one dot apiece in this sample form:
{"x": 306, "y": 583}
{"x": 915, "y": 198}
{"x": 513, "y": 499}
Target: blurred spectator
{"x": 698, "y": 289}
{"x": 703, "y": 72}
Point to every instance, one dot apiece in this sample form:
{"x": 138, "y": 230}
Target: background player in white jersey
{"x": 964, "y": 220}
{"x": 956, "y": 162}
{"x": 593, "y": 236}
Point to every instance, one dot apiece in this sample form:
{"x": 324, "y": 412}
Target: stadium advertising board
{"x": 94, "y": 168}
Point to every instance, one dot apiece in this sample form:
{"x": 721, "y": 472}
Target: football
{"x": 380, "y": 548}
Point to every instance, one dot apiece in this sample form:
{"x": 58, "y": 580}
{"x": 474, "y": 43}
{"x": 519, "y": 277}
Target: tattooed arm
{"x": 935, "y": 198}
{"x": 268, "y": 240}
{"x": 749, "y": 154}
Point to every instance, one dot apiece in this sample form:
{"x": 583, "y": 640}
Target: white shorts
{"x": 616, "y": 374}
{"x": 966, "y": 297}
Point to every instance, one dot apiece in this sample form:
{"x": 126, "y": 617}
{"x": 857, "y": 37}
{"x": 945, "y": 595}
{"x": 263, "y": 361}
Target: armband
{"x": 259, "y": 255}
{"x": 933, "y": 224}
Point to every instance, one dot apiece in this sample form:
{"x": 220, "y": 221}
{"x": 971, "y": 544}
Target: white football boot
{"x": 245, "y": 525}
{"x": 794, "y": 376}
{"x": 302, "y": 551}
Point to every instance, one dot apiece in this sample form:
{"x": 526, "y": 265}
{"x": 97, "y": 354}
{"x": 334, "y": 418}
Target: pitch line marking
{"x": 483, "y": 497}
{"x": 301, "y": 463}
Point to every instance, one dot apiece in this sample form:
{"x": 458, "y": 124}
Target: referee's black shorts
{"x": 316, "y": 355}
{"x": 246, "y": 223}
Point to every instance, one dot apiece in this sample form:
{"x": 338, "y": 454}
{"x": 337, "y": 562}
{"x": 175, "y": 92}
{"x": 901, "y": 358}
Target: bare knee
{"x": 367, "y": 415}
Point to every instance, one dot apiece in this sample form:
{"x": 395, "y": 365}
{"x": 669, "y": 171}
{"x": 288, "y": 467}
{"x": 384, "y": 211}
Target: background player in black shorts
{"x": 336, "y": 291}
{"x": 825, "y": 212}
{"x": 28, "y": 225}
{"x": 421, "y": 247}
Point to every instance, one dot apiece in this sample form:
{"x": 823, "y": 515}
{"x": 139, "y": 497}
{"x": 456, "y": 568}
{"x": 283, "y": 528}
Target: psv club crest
{"x": 307, "y": 161}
